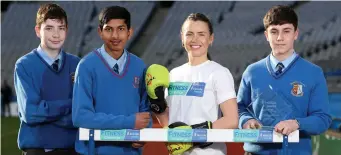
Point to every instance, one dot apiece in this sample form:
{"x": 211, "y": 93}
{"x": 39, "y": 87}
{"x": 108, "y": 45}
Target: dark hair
{"x": 279, "y": 15}
{"x": 50, "y": 11}
{"x": 114, "y": 12}
{"x": 200, "y": 17}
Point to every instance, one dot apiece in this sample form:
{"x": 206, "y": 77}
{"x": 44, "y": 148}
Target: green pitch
{"x": 9, "y": 134}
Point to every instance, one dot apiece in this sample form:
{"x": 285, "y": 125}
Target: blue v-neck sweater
{"x": 302, "y": 85}
{"x": 44, "y": 102}
{"x": 106, "y": 100}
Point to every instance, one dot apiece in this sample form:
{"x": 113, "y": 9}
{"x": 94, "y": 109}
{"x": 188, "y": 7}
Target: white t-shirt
{"x": 194, "y": 95}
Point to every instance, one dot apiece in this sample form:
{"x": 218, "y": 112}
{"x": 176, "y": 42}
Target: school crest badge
{"x": 297, "y": 89}
{"x": 136, "y": 82}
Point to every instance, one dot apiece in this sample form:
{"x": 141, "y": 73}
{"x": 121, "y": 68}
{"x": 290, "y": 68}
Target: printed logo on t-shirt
{"x": 186, "y": 88}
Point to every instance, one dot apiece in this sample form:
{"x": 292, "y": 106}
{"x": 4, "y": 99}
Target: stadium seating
{"x": 239, "y": 38}
{"x": 19, "y": 37}
{"x": 140, "y": 11}
{"x": 167, "y": 41}
{"x": 238, "y": 27}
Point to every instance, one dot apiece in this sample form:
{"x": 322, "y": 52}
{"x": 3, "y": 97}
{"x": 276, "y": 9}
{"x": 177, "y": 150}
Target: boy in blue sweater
{"x": 43, "y": 82}
{"x": 109, "y": 86}
{"x": 300, "y": 83}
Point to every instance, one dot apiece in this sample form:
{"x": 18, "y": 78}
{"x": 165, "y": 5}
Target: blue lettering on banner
{"x": 180, "y": 135}
{"x": 245, "y": 135}
{"x": 199, "y": 135}
{"x": 120, "y": 135}
{"x": 265, "y": 136}
{"x": 132, "y": 135}
{"x": 114, "y": 135}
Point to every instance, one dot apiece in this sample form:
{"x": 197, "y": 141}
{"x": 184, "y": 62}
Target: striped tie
{"x": 55, "y": 65}
{"x": 279, "y": 68}
{"x": 116, "y": 69}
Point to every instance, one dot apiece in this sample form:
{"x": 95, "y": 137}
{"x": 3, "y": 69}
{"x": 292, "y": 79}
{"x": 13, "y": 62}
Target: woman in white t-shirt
{"x": 201, "y": 88}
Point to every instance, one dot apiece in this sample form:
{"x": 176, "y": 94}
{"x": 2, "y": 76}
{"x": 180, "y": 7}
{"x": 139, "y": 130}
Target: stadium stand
{"x": 79, "y": 15}
{"x": 20, "y": 38}
{"x": 140, "y": 11}
{"x": 166, "y": 44}
{"x": 239, "y": 38}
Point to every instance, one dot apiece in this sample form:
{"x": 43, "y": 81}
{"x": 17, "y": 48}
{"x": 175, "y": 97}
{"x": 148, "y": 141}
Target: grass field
{"x": 326, "y": 144}
{"x": 9, "y": 133}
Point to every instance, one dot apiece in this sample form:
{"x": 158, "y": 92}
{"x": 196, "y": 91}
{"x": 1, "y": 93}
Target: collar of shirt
{"x": 285, "y": 62}
{"x": 49, "y": 60}
{"x": 111, "y": 61}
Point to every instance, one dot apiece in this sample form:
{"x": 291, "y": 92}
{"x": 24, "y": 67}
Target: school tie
{"x": 116, "y": 69}
{"x": 279, "y": 68}
{"x": 55, "y": 65}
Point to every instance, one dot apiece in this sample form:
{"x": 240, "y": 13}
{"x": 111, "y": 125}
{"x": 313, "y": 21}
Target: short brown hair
{"x": 200, "y": 17}
{"x": 50, "y": 11}
{"x": 279, "y": 15}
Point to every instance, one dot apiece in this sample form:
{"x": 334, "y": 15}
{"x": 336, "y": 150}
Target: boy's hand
{"x": 252, "y": 124}
{"x": 142, "y": 120}
{"x": 286, "y": 127}
{"x": 137, "y": 145}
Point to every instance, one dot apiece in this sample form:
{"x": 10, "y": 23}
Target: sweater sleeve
{"x": 318, "y": 120}
{"x": 65, "y": 121}
{"x": 144, "y": 105}
{"x": 83, "y": 111}
{"x": 243, "y": 100}
{"x": 32, "y": 109}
